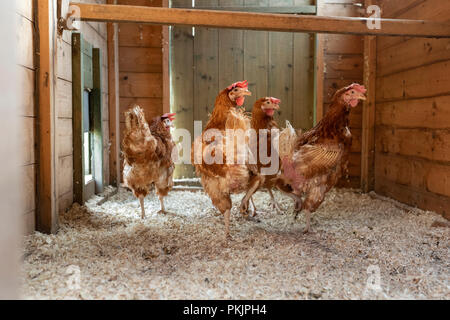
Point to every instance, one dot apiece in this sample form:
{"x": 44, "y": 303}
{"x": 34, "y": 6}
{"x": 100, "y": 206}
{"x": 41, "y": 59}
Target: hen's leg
{"x": 308, "y": 222}
{"x": 274, "y": 204}
{"x": 226, "y": 215}
{"x": 222, "y": 202}
{"x": 255, "y": 182}
{"x": 254, "y": 207}
{"x": 161, "y": 201}
{"x": 141, "y": 201}
{"x": 162, "y": 192}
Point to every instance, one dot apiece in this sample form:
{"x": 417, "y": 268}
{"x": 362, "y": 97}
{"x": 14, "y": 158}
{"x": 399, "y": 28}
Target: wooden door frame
{"x": 79, "y": 84}
{"x": 45, "y": 39}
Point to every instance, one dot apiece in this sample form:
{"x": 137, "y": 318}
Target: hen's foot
{"x": 275, "y": 207}
{"x": 162, "y": 212}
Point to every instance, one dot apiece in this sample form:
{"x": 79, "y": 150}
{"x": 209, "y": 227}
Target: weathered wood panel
{"x": 412, "y": 162}
{"x": 140, "y": 85}
{"x": 183, "y": 82}
{"x": 135, "y": 59}
{"x": 342, "y": 64}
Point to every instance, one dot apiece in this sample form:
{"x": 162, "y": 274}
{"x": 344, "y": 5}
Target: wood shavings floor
{"x": 108, "y": 252}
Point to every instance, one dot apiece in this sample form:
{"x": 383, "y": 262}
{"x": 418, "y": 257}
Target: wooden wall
{"x": 140, "y": 65}
{"x": 412, "y": 161}
{"x": 206, "y": 60}
{"x": 95, "y": 33}
{"x": 26, "y": 65}
{"x": 343, "y": 65}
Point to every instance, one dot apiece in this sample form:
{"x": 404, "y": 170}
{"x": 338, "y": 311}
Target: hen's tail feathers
{"x": 138, "y": 140}
{"x": 135, "y": 118}
{"x": 288, "y": 137}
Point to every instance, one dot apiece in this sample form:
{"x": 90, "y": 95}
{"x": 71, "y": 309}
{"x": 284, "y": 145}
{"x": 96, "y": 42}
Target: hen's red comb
{"x": 240, "y": 84}
{"x": 357, "y": 87}
{"x": 170, "y": 116}
{"x": 275, "y": 100}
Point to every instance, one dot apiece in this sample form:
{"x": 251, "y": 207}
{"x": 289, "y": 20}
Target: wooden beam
{"x": 165, "y": 64}
{"x": 77, "y": 117}
{"x": 113, "y": 101}
{"x": 46, "y": 220}
{"x": 97, "y": 120}
{"x": 305, "y": 9}
{"x": 319, "y": 71}
{"x": 368, "y": 117}
{"x": 259, "y": 21}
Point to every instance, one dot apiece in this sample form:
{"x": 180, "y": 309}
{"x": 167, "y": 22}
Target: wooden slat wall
{"x": 412, "y": 160}
{"x": 25, "y": 60}
{"x": 275, "y": 64}
{"x": 343, "y": 65}
{"x": 140, "y": 66}
{"x": 94, "y": 33}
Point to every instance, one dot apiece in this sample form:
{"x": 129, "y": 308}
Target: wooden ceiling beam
{"x": 257, "y": 21}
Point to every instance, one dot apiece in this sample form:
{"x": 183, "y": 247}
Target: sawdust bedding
{"x": 107, "y": 252}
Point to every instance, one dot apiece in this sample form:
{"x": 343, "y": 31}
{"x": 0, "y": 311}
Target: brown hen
{"x": 147, "y": 150}
{"x": 314, "y": 162}
{"x": 228, "y": 175}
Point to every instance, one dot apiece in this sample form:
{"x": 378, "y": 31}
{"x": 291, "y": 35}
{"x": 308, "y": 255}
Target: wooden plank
{"x": 183, "y": 83}
{"x": 414, "y": 197}
{"x": 281, "y": 68}
{"x": 97, "y": 122}
{"x": 256, "y": 59}
{"x": 25, "y": 8}
{"x": 368, "y": 114}
{"x": 142, "y": 85}
{"x": 259, "y": 21}
{"x": 87, "y": 72}
{"x": 291, "y": 9}
{"x": 77, "y": 117}
{"x": 28, "y": 185}
{"x": 139, "y": 35}
{"x": 423, "y": 82}
{"x": 25, "y": 42}
{"x": 64, "y": 139}
{"x": 419, "y": 52}
{"x": 231, "y": 57}
{"x": 47, "y": 220}
{"x": 135, "y": 59}
{"x": 64, "y": 98}
{"x": 303, "y": 81}
{"x": 344, "y": 67}
{"x": 417, "y": 174}
{"x": 26, "y": 99}
{"x": 343, "y": 44}
{"x": 419, "y": 143}
{"x": 113, "y": 101}
{"x": 430, "y": 113}
{"x": 64, "y": 64}
{"x": 206, "y": 70}
{"x": 28, "y": 140}
{"x": 165, "y": 64}
{"x": 65, "y": 175}
{"x": 319, "y": 69}
{"x": 152, "y": 106}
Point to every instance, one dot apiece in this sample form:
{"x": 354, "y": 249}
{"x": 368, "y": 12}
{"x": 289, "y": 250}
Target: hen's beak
{"x": 362, "y": 96}
{"x": 246, "y": 93}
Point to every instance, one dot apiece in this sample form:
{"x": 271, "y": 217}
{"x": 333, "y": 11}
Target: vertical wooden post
{"x": 368, "y": 117}
{"x": 77, "y": 117}
{"x": 97, "y": 119}
{"x": 45, "y": 47}
{"x": 319, "y": 69}
{"x": 165, "y": 64}
{"x": 113, "y": 102}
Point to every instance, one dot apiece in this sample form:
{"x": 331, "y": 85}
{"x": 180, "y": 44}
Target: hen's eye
{"x": 235, "y": 90}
